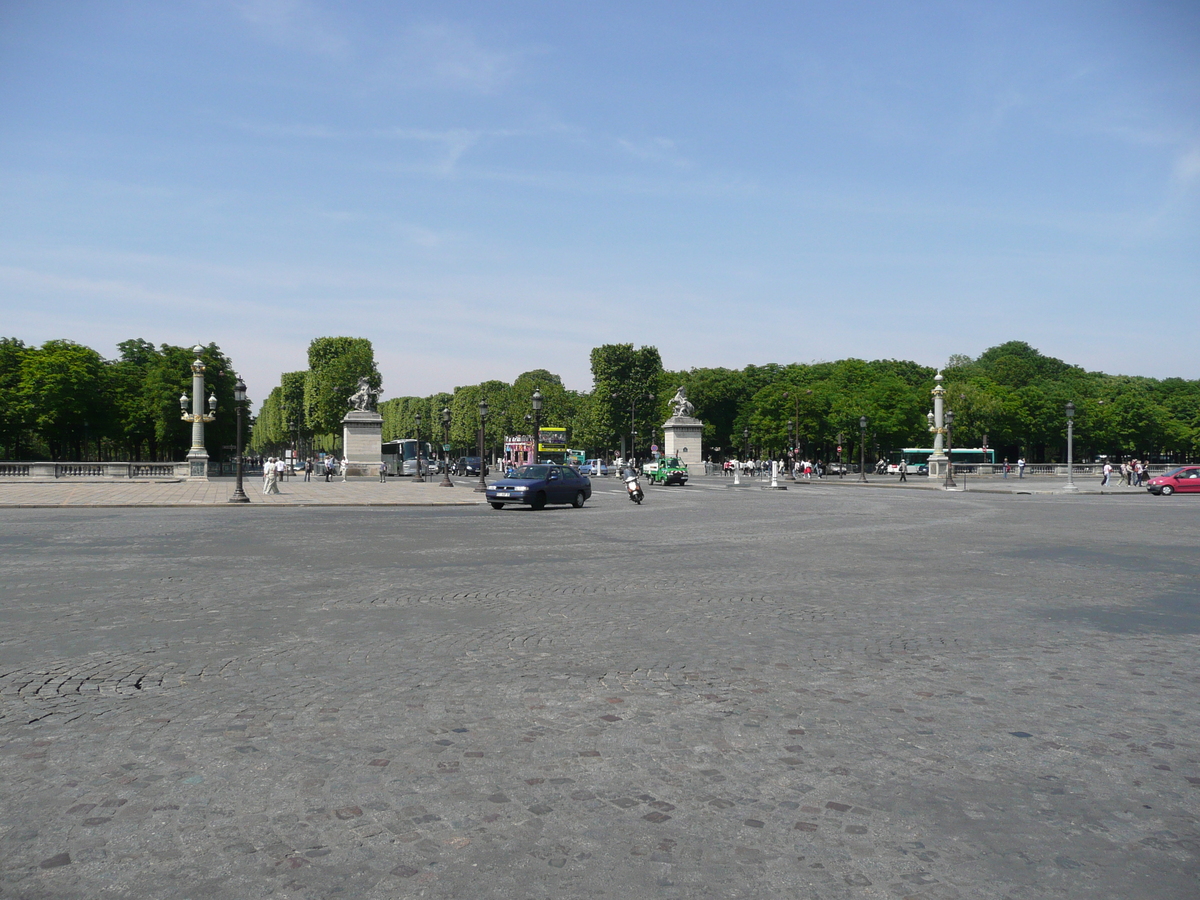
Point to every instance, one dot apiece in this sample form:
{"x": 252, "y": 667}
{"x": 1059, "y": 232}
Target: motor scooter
{"x": 632, "y": 486}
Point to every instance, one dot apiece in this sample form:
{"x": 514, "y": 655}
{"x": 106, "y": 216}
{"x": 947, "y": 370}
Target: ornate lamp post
{"x": 537, "y": 422}
{"x": 935, "y": 418}
{"x": 949, "y": 420}
{"x": 746, "y": 441}
{"x": 419, "y": 479}
{"x": 862, "y": 449}
{"x": 1070, "y": 447}
{"x": 446, "y": 482}
{"x": 483, "y": 412}
{"x": 239, "y": 403}
{"x": 197, "y": 456}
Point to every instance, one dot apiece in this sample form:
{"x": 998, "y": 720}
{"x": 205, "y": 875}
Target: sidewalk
{"x": 980, "y": 484}
{"x": 293, "y": 492}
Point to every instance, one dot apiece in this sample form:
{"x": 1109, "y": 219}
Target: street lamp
{"x": 419, "y": 479}
{"x": 791, "y": 454}
{"x": 862, "y": 449}
{"x": 446, "y": 482}
{"x": 197, "y": 456}
{"x": 746, "y": 440}
{"x": 239, "y": 403}
{"x": 537, "y": 422}
{"x": 483, "y": 412}
{"x": 633, "y": 420}
{"x": 1070, "y": 447}
{"x": 949, "y": 420}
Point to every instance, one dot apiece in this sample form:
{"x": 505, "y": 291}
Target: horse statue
{"x": 364, "y": 398}
{"x": 681, "y": 404}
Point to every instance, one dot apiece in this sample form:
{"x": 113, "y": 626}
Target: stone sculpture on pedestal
{"x": 362, "y": 432}
{"x": 682, "y": 434}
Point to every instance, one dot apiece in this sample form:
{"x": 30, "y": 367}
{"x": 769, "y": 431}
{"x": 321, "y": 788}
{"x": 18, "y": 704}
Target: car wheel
{"x": 497, "y": 506}
{"x": 539, "y": 502}
{"x": 578, "y": 501}
{"x": 1167, "y": 490}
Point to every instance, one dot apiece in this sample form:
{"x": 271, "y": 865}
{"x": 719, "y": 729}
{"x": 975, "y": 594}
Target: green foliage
{"x": 334, "y": 366}
{"x": 65, "y": 401}
{"x": 622, "y": 377}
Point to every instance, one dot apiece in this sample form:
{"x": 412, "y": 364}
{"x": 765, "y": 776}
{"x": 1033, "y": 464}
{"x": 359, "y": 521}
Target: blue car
{"x": 540, "y": 484}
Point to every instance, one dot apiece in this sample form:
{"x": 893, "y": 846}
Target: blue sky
{"x": 486, "y": 188}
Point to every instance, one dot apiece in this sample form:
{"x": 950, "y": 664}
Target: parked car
{"x": 670, "y": 470}
{"x": 1185, "y": 480}
{"x": 594, "y": 467}
{"x": 467, "y": 465}
{"x": 540, "y": 484}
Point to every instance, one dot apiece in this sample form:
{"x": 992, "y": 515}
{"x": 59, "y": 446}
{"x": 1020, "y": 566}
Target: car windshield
{"x": 530, "y": 473}
{"x": 1174, "y": 472}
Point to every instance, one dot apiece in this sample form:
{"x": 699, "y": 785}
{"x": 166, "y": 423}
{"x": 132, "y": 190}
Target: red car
{"x": 1185, "y": 479}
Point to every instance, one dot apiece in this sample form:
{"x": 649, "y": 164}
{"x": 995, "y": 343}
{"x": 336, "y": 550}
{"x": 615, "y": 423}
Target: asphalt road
{"x": 817, "y": 693}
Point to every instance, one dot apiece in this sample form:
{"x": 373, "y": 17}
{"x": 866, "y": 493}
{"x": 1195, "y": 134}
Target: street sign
{"x": 654, "y": 448}
{"x": 839, "y": 448}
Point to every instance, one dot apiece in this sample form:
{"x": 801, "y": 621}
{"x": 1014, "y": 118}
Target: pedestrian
{"x": 345, "y": 468}
{"x": 903, "y": 470}
{"x": 268, "y": 467}
{"x": 1107, "y": 474}
{"x": 1021, "y": 467}
{"x": 383, "y": 473}
{"x": 308, "y": 469}
{"x": 281, "y": 468}
{"x": 271, "y": 483}
{"x": 1006, "y": 467}
{"x": 328, "y": 468}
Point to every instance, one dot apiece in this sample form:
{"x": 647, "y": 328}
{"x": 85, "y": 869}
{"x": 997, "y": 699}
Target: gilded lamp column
{"x": 937, "y": 427}
{"x": 197, "y": 456}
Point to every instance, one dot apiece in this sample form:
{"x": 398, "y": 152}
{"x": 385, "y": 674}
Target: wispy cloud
{"x": 1187, "y": 166}
{"x": 294, "y": 23}
{"x": 447, "y": 57}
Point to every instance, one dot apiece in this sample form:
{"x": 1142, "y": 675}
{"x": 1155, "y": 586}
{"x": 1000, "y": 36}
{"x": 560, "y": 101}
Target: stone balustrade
{"x": 92, "y": 470}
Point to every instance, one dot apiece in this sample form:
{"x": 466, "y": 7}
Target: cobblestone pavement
{"x": 292, "y": 492}
{"x": 818, "y": 693}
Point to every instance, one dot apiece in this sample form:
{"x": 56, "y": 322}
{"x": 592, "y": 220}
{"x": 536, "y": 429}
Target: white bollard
{"x": 737, "y": 473}
{"x": 774, "y": 473}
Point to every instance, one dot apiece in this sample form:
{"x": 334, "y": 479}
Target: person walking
{"x": 280, "y": 470}
{"x": 1006, "y": 468}
{"x": 383, "y": 473}
{"x": 1107, "y": 474}
{"x": 345, "y": 468}
{"x": 328, "y": 468}
{"x": 903, "y": 470}
{"x": 308, "y": 470}
{"x": 271, "y": 483}
{"x": 1021, "y": 467}
{"x": 268, "y": 468}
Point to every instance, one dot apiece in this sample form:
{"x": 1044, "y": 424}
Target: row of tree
{"x": 1011, "y": 398}
{"x": 63, "y": 400}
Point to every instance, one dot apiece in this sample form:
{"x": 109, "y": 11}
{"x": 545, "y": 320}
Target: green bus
{"x": 917, "y": 458}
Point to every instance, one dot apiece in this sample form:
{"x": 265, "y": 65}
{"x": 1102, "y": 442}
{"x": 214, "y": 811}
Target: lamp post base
{"x": 239, "y": 496}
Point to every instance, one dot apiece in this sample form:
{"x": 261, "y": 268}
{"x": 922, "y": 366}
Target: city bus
{"x": 404, "y": 452}
{"x": 917, "y": 458}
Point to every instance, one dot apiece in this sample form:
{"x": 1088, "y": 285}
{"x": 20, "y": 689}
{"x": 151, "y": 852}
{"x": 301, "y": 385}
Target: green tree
{"x": 63, "y": 394}
{"x": 622, "y": 377}
{"x": 334, "y": 366}
{"x": 14, "y": 418}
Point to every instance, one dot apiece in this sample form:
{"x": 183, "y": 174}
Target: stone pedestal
{"x": 937, "y": 465}
{"x": 197, "y": 463}
{"x": 681, "y": 437}
{"x": 362, "y": 441}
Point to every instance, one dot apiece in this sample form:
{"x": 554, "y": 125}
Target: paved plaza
{"x": 727, "y": 692}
